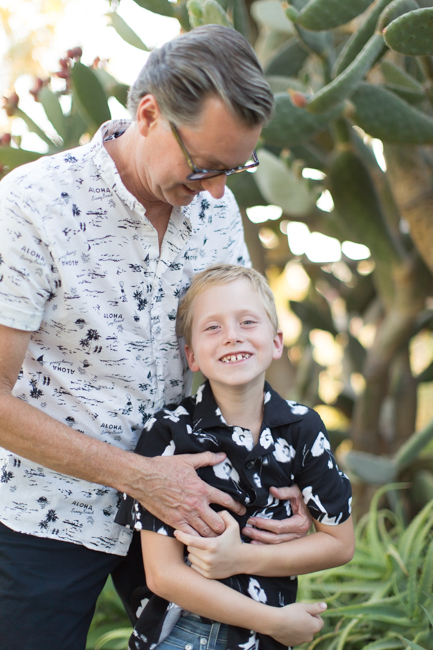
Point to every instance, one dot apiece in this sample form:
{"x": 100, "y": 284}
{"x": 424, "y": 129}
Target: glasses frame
{"x": 201, "y": 174}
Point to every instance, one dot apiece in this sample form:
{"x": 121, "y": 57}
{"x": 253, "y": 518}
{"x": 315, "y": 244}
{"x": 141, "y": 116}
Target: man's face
{"x": 218, "y": 141}
{"x": 233, "y": 341}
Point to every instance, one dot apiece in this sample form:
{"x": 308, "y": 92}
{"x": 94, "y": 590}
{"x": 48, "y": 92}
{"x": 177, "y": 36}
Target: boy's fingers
{"x": 192, "y": 540}
{"x": 316, "y": 608}
{"x": 229, "y": 520}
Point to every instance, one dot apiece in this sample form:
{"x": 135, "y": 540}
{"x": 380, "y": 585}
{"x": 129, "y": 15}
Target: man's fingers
{"x": 205, "y": 458}
{"x": 284, "y": 493}
{"x": 263, "y": 537}
{"x": 280, "y": 527}
{"x": 225, "y": 500}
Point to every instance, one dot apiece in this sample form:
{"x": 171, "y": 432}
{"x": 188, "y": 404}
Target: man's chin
{"x": 182, "y": 196}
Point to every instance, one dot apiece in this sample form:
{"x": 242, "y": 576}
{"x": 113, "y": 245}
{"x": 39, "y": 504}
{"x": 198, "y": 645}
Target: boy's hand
{"x": 215, "y": 557}
{"x": 273, "y": 531}
{"x": 297, "y": 623}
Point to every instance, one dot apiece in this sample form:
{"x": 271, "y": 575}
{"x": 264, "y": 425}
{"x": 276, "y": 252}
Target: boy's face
{"x": 233, "y": 341}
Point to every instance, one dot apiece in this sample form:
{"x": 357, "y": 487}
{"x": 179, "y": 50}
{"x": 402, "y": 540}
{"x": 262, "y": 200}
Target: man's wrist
{"x": 132, "y": 472}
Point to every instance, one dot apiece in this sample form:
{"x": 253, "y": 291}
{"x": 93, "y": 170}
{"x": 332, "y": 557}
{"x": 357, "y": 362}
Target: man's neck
{"x": 122, "y": 152}
{"x": 241, "y": 406}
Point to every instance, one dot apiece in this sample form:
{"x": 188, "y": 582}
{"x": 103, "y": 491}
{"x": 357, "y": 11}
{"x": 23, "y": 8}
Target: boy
{"x": 229, "y": 323}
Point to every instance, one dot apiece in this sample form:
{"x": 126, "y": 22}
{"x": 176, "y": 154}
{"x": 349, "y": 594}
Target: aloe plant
{"x": 383, "y": 599}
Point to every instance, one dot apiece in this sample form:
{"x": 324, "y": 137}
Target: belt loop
{"x": 213, "y": 635}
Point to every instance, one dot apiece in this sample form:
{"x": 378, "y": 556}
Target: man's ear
{"x": 278, "y": 345}
{"x": 148, "y": 114}
{"x": 193, "y": 365}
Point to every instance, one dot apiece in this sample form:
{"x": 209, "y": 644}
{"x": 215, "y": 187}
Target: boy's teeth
{"x": 234, "y": 357}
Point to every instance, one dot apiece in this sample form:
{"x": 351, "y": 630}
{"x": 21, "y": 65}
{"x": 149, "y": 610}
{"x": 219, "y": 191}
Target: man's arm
{"x": 226, "y": 555}
{"x": 167, "y": 486}
{"x": 168, "y": 576}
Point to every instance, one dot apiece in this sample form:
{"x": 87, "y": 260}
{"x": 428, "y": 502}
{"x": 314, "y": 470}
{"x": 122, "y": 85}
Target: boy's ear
{"x": 278, "y": 345}
{"x": 193, "y": 365}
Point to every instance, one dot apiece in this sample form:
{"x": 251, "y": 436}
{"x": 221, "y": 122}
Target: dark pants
{"x": 49, "y": 588}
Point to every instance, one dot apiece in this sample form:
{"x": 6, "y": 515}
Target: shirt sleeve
{"x": 326, "y": 490}
{"x": 155, "y": 440}
{"x": 25, "y": 261}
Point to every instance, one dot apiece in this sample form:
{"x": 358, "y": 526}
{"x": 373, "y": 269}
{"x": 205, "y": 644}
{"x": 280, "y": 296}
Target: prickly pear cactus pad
{"x": 412, "y": 34}
{"x": 319, "y": 15}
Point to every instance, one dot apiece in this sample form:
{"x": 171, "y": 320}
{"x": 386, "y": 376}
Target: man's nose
{"x": 215, "y": 185}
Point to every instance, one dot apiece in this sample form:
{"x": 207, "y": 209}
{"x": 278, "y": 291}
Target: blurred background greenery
{"x": 339, "y": 216}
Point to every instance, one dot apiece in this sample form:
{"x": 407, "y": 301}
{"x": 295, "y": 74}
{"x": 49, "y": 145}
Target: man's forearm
{"x": 32, "y": 434}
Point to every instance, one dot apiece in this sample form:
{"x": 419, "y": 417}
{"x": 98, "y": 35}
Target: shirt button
{"x": 250, "y": 464}
{"x": 203, "y": 641}
{"x": 189, "y": 646}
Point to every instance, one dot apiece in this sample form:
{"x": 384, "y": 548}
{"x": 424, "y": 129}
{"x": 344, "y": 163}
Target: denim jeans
{"x": 190, "y": 633}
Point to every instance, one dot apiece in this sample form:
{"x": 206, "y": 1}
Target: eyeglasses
{"x": 200, "y": 174}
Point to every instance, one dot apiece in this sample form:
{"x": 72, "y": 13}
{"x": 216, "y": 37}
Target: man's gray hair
{"x": 209, "y": 60}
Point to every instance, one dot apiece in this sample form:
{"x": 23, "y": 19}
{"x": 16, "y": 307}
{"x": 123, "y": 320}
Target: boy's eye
{"x": 248, "y": 321}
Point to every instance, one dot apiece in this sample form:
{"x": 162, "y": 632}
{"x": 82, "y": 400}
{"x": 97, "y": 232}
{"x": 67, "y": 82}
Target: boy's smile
{"x": 232, "y": 338}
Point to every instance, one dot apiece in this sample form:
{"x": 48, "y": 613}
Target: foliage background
{"x": 338, "y": 215}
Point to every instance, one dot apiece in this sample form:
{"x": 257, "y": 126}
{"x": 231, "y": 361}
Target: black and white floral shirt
{"x": 293, "y": 447}
{"x": 80, "y": 267}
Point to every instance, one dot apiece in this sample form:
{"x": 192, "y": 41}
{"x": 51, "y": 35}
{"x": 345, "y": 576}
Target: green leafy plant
{"x": 382, "y": 599}
{"x": 110, "y": 629}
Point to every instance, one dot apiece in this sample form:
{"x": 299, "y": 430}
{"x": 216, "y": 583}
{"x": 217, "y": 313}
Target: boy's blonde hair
{"x": 219, "y": 274}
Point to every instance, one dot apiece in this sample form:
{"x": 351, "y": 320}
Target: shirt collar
{"x": 277, "y": 411}
{"x": 108, "y": 171}
{"x": 105, "y": 164}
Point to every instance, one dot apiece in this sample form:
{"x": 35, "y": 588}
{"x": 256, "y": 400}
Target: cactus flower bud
{"x": 39, "y": 83}
{"x": 298, "y": 99}
{"x": 75, "y": 53}
{"x": 10, "y": 103}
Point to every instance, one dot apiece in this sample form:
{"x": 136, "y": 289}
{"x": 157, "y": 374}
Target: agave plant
{"x": 383, "y": 599}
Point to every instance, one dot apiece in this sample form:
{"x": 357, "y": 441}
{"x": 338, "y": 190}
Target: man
{"x": 97, "y": 245}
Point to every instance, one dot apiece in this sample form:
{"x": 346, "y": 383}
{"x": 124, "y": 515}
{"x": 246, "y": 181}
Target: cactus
{"x": 412, "y": 33}
{"x": 318, "y": 15}
{"x": 343, "y": 72}
{"x": 207, "y": 12}
{"x": 384, "y": 115}
{"x": 346, "y": 83}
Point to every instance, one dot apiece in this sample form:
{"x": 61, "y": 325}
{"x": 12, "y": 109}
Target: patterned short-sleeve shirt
{"x": 293, "y": 447}
{"x": 80, "y": 267}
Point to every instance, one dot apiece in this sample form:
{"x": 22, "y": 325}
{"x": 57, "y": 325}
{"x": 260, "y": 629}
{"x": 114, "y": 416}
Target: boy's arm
{"x": 226, "y": 555}
{"x": 168, "y": 576}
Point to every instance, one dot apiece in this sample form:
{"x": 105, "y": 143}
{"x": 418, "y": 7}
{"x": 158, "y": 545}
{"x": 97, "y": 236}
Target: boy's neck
{"x": 241, "y": 406}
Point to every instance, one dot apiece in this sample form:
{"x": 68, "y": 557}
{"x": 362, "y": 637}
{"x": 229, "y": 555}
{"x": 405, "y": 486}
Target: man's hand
{"x": 273, "y": 531}
{"x": 168, "y": 486}
{"x": 218, "y": 557}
